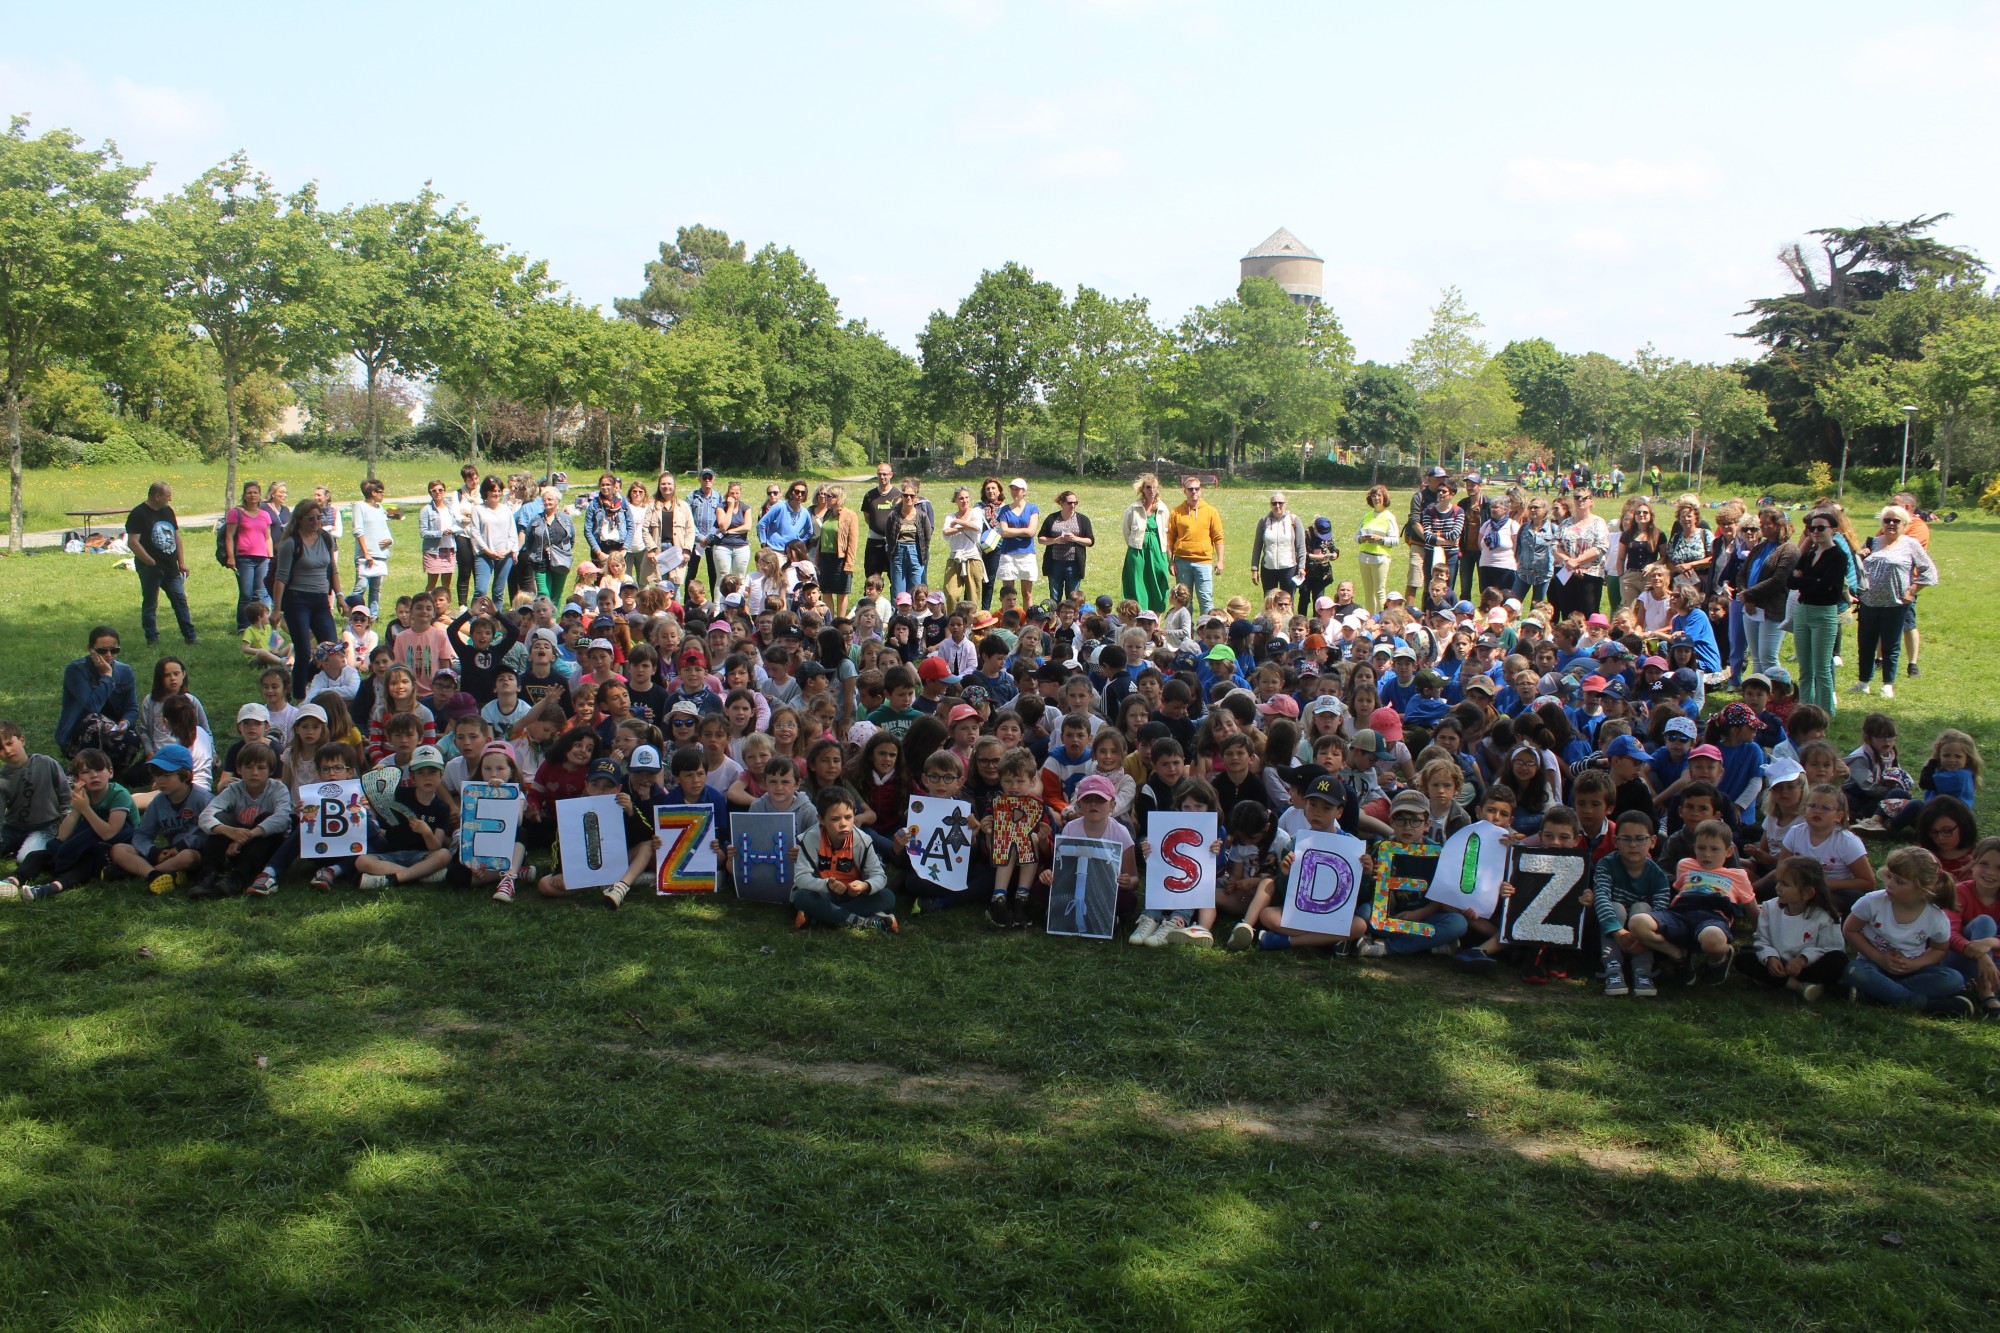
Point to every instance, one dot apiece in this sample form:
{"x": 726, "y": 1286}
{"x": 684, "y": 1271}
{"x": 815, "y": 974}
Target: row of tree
{"x": 231, "y": 295}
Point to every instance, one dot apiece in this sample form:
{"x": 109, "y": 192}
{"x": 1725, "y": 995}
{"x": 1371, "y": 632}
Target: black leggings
{"x": 464, "y": 567}
{"x": 1824, "y": 970}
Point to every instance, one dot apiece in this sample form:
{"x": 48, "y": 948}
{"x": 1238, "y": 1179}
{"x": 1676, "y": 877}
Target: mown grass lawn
{"x": 422, "y": 1110}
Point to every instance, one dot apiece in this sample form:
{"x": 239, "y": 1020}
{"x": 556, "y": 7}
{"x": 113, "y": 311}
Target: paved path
{"x": 190, "y": 523}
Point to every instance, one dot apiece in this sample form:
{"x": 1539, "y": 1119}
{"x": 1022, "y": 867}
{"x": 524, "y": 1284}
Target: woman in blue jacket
{"x": 97, "y": 685}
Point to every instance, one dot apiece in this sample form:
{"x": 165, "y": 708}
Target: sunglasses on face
{"x": 1818, "y": 527}
{"x": 109, "y": 651}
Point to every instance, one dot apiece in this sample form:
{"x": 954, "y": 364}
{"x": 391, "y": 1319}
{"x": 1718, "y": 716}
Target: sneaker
{"x": 205, "y": 887}
{"x": 1144, "y": 930}
{"x": 1372, "y": 948}
{"x": 1017, "y": 911}
{"x": 887, "y": 923}
{"x": 1872, "y": 824}
{"x": 614, "y": 896}
{"x": 436, "y": 876}
{"x": 1445, "y": 951}
{"x": 504, "y": 891}
{"x": 1199, "y": 936}
{"x": 996, "y": 911}
{"x": 1949, "y": 1006}
{"x": 527, "y": 874}
{"x": 1269, "y": 941}
{"x": 1839, "y": 661}
{"x": 1180, "y": 932}
{"x": 1475, "y": 958}
{"x": 162, "y": 882}
{"x": 1717, "y": 974}
{"x": 12, "y": 892}
{"x": 1535, "y": 974}
{"x": 1812, "y": 992}
{"x": 263, "y": 886}
{"x": 1615, "y": 987}
{"x": 1911, "y": 671}
{"x": 372, "y": 883}
{"x": 1242, "y": 937}
{"x": 323, "y": 881}
{"x": 1163, "y": 934}
{"x": 1643, "y": 987}
{"x": 1865, "y": 687}
{"x": 798, "y": 921}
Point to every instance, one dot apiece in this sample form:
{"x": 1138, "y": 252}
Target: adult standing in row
{"x": 496, "y": 540}
{"x": 1497, "y": 543}
{"x": 1918, "y": 531}
{"x": 965, "y": 564}
{"x": 788, "y": 522}
{"x": 909, "y": 543}
{"x": 607, "y": 519}
{"x": 992, "y": 499}
{"x": 731, "y": 552}
{"x": 642, "y": 561}
{"x": 275, "y": 496}
{"x": 1896, "y": 566}
{"x": 1194, "y": 540}
{"x": 548, "y": 545}
{"x": 1413, "y": 530}
{"x": 1017, "y": 520}
{"x": 246, "y": 546}
{"x": 1375, "y": 541}
{"x": 1688, "y": 542}
{"x": 1820, "y": 578}
{"x": 1147, "y": 578}
{"x": 1728, "y": 558}
{"x": 1278, "y": 548}
{"x": 463, "y": 501}
{"x": 1066, "y": 538}
{"x": 674, "y": 522}
{"x": 154, "y": 533}
{"x": 1476, "y": 508}
{"x": 305, "y": 579}
{"x": 703, "y": 506}
{"x": 839, "y": 542}
{"x": 371, "y": 544}
{"x": 1535, "y": 545}
{"x": 1640, "y": 546}
{"x": 1580, "y": 550}
{"x": 1767, "y": 582}
{"x": 1443, "y": 530}
{"x": 437, "y": 533}
{"x": 878, "y": 504}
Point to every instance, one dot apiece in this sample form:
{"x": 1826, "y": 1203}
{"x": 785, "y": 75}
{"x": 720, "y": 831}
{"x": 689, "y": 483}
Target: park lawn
{"x": 421, "y": 1108}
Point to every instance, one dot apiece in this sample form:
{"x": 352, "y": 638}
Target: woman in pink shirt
{"x": 246, "y": 547}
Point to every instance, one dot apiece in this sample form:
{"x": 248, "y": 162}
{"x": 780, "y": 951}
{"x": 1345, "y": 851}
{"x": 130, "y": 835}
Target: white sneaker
{"x": 1162, "y": 933}
{"x": 1865, "y": 687}
{"x": 614, "y": 895}
{"x": 1811, "y": 992}
{"x": 1888, "y": 691}
{"x": 1373, "y": 949}
{"x": 1198, "y": 935}
{"x": 1242, "y": 936}
{"x": 1144, "y": 930}
{"x": 1839, "y": 661}
{"x": 375, "y": 883}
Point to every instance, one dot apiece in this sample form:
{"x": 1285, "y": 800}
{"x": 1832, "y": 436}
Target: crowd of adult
{"x": 1730, "y": 582}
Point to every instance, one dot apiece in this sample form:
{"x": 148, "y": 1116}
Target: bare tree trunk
{"x": 700, "y": 451}
{"x": 15, "y": 515}
{"x": 229, "y": 409}
{"x": 999, "y": 432}
{"x": 1080, "y": 419}
{"x": 549, "y": 437}
{"x": 474, "y": 405}
{"x": 371, "y": 435}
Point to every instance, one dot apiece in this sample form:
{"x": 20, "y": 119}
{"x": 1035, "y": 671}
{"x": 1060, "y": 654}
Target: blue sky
{"x": 1598, "y": 175}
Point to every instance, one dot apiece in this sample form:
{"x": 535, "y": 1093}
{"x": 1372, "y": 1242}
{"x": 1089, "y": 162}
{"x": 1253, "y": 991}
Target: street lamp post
{"x": 1909, "y": 413}
{"x": 1687, "y": 464}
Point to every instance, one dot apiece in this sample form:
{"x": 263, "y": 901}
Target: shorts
{"x": 405, "y": 859}
{"x": 444, "y": 562}
{"x": 834, "y": 580}
{"x": 1018, "y": 567}
{"x": 1419, "y": 569}
{"x": 1683, "y": 928}
{"x": 874, "y": 560}
{"x": 1910, "y": 616}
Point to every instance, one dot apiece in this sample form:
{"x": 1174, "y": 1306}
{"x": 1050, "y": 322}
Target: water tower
{"x": 1289, "y": 262}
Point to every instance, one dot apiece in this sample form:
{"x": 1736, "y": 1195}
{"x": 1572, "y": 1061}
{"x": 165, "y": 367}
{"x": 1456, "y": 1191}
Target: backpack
{"x": 222, "y": 541}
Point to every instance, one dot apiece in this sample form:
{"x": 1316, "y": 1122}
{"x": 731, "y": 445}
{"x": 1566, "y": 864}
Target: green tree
{"x": 1097, "y": 361}
{"x": 244, "y": 267}
{"x": 672, "y": 279}
{"x": 1604, "y": 403}
{"x": 398, "y": 289}
{"x": 1444, "y": 366}
{"x": 1541, "y": 380}
{"x": 494, "y": 286}
{"x": 1381, "y": 412}
{"x": 1261, "y": 366}
{"x": 989, "y": 356}
{"x": 1955, "y": 383}
{"x": 1856, "y": 397}
{"x": 777, "y": 306}
{"x": 550, "y": 359}
{"x": 69, "y": 280}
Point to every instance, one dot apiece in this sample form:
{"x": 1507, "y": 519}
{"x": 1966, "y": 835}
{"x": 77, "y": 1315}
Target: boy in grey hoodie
{"x": 245, "y": 824}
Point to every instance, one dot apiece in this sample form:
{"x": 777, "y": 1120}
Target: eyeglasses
{"x": 1818, "y": 527}
{"x": 111, "y": 650}
{"x": 1892, "y": 522}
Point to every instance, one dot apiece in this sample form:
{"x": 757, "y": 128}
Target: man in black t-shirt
{"x": 878, "y": 507}
{"x": 153, "y": 531}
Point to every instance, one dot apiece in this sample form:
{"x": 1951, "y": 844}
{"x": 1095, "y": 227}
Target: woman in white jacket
{"x": 1147, "y": 580}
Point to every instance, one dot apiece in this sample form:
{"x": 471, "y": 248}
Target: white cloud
{"x": 1555, "y": 178}
{"x": 1602, "y": 242}
{"x": 176, "y": 129}
{"x": 1093, "y": 112}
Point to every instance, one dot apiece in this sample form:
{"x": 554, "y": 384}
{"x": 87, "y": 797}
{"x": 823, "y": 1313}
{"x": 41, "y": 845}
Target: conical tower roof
{"x": 1281, "y": 244}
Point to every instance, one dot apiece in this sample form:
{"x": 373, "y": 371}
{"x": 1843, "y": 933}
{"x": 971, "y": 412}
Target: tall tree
{"x": 244, "y": 267}
{"x": 1444, "y": 366}
{"x": 1261, "y": 366}
{"x": 550, "y": 359}
{"x": 672, "y": 279}
{"x": 1381, "y": 413}
{"x": 1541, "y": 380}
{"x": 69, "y": 282}
{"x": 699, "y": 376}
{"x": 1096, "y": 362}
{"x": 1955, "y": 383}
{"x": 495, "y": 285}
{"x": 992, "y": 350}
{"x": 397, "y": 285}
{"x": 776, "y": 305}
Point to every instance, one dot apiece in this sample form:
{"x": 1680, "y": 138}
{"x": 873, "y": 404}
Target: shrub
{"x": 117, "y": 449}
{"x": 160, "y": 444}
{"x": 1326, "y": 474}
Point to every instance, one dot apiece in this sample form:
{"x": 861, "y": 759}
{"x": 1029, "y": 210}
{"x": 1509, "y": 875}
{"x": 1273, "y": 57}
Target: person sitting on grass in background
{"x": 1623, "y": 886}
{"x": 1798, "y": 946}
{"x": 246, "y": 823}
{"x": 262, "y": 644}
{"x": 1695, "y": 925}
{"x": 33, "y": 796}
{"x": 419, "y": 848}
{"x": 1900, "y": 935}
{"x": 100, "y": 817}
{"x": 839, "y": 880}
{"x": 1975, "y": 926}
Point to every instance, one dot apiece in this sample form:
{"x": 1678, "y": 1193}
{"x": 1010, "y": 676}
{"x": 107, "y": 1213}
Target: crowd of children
{"x": 1722, "y": 837}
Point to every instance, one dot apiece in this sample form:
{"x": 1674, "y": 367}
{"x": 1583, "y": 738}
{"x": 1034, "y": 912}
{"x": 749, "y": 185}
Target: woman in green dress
{"x": 1147, "y": 581}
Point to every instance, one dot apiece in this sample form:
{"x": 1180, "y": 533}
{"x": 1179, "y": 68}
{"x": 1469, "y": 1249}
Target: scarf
{"x": 837, "y": 863}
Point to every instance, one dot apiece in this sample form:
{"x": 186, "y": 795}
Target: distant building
{"x": 1287, "y": 261}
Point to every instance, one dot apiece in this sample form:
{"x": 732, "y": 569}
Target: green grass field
{"x": 422, "y": 1110}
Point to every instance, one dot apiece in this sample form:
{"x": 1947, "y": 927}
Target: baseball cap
{"x": 1681, "y": 726}
{"x": 172, "y": 759}
{"x": 1616, "y": 689}
{"x": 1153, "y": 616}
{"x": 1594, "y": 684}
{"x": 1329, "y": 703}
{"x": 1705, "y": 752}
{"x": 694, "y": 655}
{"x": 1480, "y": 682}
{"x": 935, "y": 599}
{"x": 1280, "y": 705}
{"x": 902, "y": 599}
{"x": 1323, "y": 525}
{"x": 1096, "y": 785}
{"x": 645, "y": 759}
{"x": 1497, "y": 616}
{"x": 1221, "y": 653}
{"x": 328, "y": 649}
{"x": 1429, "y": 680}
{"x": 608, "y": 770}
{"x": 959, "y": 713}
{"x": 253, "y": 713}
{"x": 1410, "y": 803}
{"x": 810, "y": 669}
{"x": 1782, "y": 770}
{"x": 1779, "y": 676}
{"x": 1387, "y": 723}
{"x": 1315, "y": 641}
{"x": 595, "y": 644}
{"x": 1685, "y": 680}
{"x": 1368, "y": 740}
{"x": 718, "y": 626}
{"x": 933, "y": 669}
{"x": 1051, "y": 672}
{"x": 306, "y": 711}
{"x": 426, "y": 756}
{"x": 1325, "y": 604}
{"x": 1655, "y": 661}
{"x": 1437, "y": 472}
{"x": 1018, "y": 484}
{"x": 1403, "y": 650}
{"x": 1465, "y": 608}
{"x": 1739, "y": 715}
{"x": 1103, "y": 603}
{"x": 1393, "y": 595}
{"x": 1757, "y": 678}
{"x": 1598, "y": 620}
{"x": 1324, "y": 787}
{"x": 684, "y": 708}
{"x": 1625, "y": 747}
{"x": 460, "y": 705}
{"x": 1474, "y": 479}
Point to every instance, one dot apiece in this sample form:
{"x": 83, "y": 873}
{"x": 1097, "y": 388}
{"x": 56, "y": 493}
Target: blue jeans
{"x": 310, "y": 621}
{"x": 1200, "y": 576}
{"x": 1739, "y": 640}
{"x": 1447, "y": 928}
{"x": 370, "y": 587}
{"x": 1063, "y": 580}
{"x": 1908, "y": 991}
{"x": 1879, "y": 631}
{"x": 250, "y": 589}
{"x": 153, "y": 580}
{"x": 1522, "y": 588}
{"x": 906, "y": 570}
{"x": 1979, "y": 928}
{"x": 488, "y": 574}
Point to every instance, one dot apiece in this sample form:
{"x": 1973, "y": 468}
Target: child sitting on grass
{"x": 1798, "y": 945}
{"x": 1901, "y": 934}
{"x": 1975, "y": 926}
{"x": 839, "y": 880}
{"x": 100, "y": 817}
{"x": 246, "y": 823}
{"x": 1695, "y": 926}
{"x": 418, "y": 849}
{"x": 1627, "y": 885}
{"x": 1412, "y": 820}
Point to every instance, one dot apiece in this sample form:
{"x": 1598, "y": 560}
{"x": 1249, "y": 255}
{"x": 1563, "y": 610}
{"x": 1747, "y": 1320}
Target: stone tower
{"x": 1287, "y": 261}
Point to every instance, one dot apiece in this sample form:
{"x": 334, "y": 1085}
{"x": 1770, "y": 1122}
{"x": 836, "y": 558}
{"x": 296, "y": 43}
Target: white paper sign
{"x": 1325, "y": 883}
{"x": 1470, "y": 868}
{"x": 591, "y": 833}
{"x": 1181, "y": 872}
{"x": 1083, "y": 887}
{"x": 333, "y": 820}
{"x": 940, "y": 848}
{"x": 489, "y": 821}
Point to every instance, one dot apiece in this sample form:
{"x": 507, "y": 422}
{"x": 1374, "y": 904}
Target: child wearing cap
{"x": 360, "y": 636}
{"x": 335, "y": 674}
{"x": 419, "y": 846}
{"x": 244, "y": 824}
{"x": 1324, "y": 799}
{"x": 1413, "y": 821}
{"x": 1092, "y": 809}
